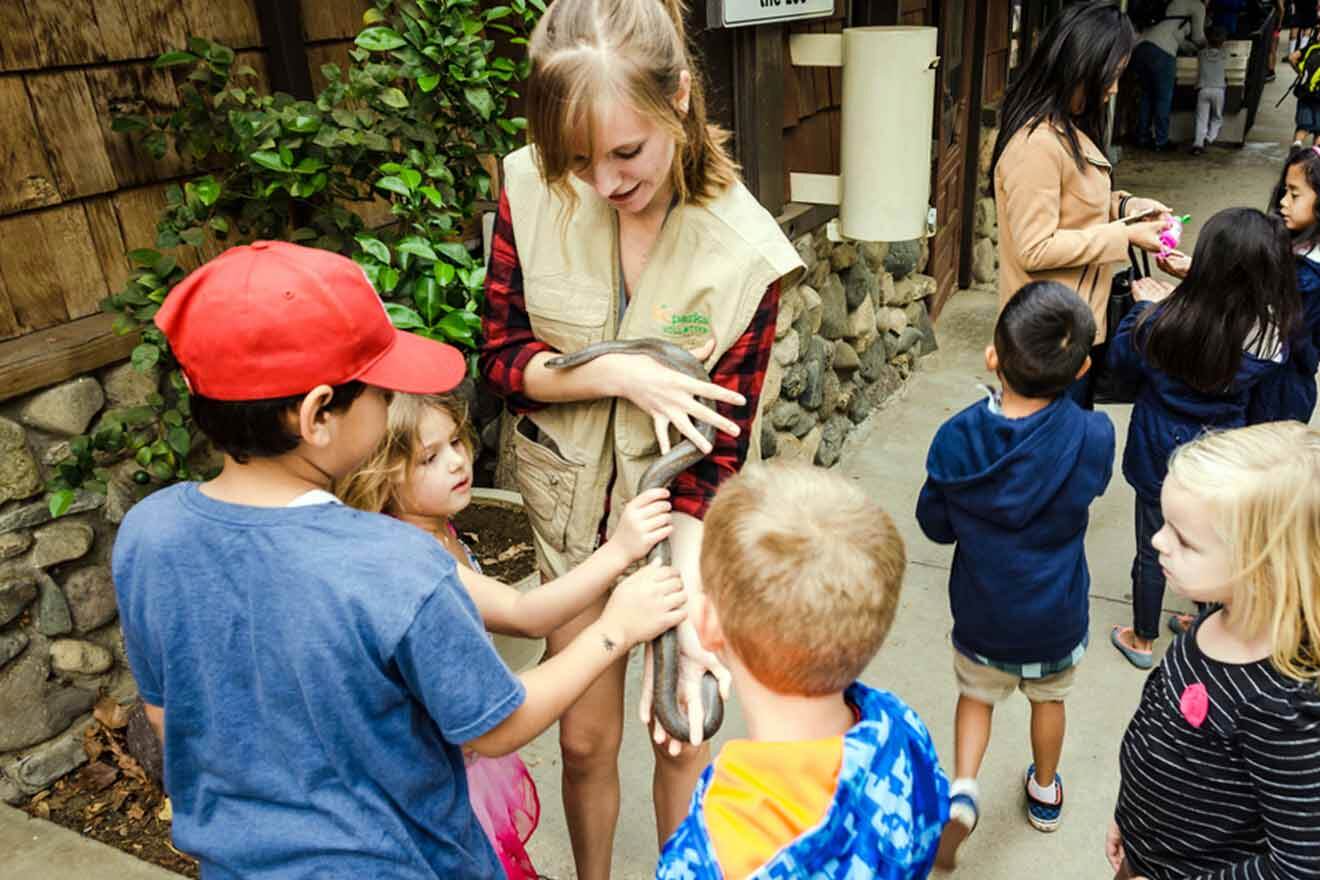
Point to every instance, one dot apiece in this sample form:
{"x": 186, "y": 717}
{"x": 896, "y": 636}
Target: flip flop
{"x": 1135, "y": 656}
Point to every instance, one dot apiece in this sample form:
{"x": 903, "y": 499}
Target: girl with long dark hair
{"x": 1198, "y": 350}
{"x": 1059, "y": 216}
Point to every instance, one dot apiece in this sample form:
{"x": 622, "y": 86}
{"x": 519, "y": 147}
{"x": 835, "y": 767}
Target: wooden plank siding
{"x": 812, "y": 97}
{"x": 76, "y": 195}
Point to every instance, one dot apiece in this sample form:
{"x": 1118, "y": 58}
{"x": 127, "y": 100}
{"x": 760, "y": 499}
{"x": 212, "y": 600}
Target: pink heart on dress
{"x": 1195, "y": 704}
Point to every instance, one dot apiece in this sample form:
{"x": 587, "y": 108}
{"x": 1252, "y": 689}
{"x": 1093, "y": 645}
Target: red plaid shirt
{"x": 508, "y": 345}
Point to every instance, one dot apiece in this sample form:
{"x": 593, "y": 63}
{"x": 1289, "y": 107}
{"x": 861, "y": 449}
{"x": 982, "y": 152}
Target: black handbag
{"x": 1107, "y": 386}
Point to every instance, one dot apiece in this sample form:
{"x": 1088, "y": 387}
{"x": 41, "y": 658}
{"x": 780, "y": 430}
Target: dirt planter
{"x": 519, "y": 654}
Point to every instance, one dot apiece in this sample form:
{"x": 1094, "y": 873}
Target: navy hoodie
{"x": 1014, "y": 495}
{"x": 1168, "y": 412}
{"x": 1291, "y": 392}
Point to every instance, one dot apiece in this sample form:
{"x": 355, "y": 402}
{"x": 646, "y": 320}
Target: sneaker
{"x": 1269, "y": 76}
{"x": 964, "y": 813}
{"x": 1043, "y": 816}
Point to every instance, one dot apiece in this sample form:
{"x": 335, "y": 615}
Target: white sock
{"x": 959, "y": 811}
{"x": 1048, "y": 794}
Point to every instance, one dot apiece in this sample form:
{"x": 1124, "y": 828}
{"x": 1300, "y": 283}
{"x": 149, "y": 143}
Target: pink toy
{"x": 1171, "y": 235}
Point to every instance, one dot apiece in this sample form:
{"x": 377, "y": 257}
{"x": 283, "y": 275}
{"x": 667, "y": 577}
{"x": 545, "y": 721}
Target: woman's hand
{"x": 1146, "y": 235}
{"x": 693, "y": 663}
{"x": 1114, "y": 847}
{"x": 1151, "y": 290}
{"x": 645, "y": 522}
{"x": 670, "y": 398}
{"x": 1135, "y": 207}
{"x": 1176, "y": 264}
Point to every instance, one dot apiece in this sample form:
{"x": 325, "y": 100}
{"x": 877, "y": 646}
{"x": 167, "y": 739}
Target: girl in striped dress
{"x": 1221, "y": 763}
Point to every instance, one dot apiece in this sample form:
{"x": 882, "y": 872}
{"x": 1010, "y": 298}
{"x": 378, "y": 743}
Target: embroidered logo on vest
{"x": 681, "y": 326}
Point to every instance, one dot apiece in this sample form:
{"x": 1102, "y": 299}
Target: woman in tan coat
{"x": 1059, "y": 217}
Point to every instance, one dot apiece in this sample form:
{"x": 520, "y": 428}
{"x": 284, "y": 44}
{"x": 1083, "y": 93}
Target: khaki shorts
{"x": 990, "y": 685}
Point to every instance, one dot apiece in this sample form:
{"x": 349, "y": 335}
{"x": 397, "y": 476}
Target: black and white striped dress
{"x": 1237, "y": 797}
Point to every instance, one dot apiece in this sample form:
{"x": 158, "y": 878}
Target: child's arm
{"x": 645, "y": 522}
{"x": 933, "y": 514}
{"x": 646, "y": 604}
{"x": 1124, "y": 358}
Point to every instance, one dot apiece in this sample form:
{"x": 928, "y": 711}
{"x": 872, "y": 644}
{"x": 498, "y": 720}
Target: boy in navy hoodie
{"x": 1009, "y": 481}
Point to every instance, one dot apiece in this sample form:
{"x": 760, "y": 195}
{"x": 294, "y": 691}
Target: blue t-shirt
{"x": 319, "y": 668}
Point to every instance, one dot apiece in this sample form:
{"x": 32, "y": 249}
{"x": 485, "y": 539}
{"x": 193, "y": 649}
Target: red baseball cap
{"x": 275, "y": 319}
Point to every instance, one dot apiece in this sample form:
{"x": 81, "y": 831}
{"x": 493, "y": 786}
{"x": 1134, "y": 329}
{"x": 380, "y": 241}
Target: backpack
{"x": 1308, "y": 74}
{"x": 1146, "y": 14}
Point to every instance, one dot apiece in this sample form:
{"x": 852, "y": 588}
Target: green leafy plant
{"x": 410, "y": 121}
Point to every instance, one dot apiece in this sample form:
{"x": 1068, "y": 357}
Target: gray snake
{"x": 679, "y": 458}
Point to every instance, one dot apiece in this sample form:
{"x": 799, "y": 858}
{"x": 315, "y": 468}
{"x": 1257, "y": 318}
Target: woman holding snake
{"x": 624, "y": 218}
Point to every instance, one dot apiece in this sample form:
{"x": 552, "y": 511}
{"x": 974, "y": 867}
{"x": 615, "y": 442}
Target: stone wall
{"x": 60, "y": 644}
{"x": 985, "y": 238}
{"x": 848, "y": 337}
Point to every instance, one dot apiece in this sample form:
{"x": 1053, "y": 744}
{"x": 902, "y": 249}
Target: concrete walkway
{"x": 915, "y": 663}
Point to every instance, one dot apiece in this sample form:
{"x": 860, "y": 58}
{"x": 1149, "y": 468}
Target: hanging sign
{"x": 740, "y": 13}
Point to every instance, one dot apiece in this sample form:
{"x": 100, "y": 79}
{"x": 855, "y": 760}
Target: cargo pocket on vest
{"x": 567, "y": 312}
{"x": 547, "y": 481}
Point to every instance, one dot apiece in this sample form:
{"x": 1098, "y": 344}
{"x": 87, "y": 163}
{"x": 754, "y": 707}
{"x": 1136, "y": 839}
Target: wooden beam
{"x": 972, "y": 145}
{"x": 797, "y": 219}
{"x": 48, "y": 356}
{"x": 758, "y": 111}
{"x": 286, "y": 54}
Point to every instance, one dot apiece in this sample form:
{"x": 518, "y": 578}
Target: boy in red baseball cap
{"x": 312, "y": 669}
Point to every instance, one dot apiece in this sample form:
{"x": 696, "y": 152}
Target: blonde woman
{"x": 1220, "y": 776}
{"x": 624, "y": 219}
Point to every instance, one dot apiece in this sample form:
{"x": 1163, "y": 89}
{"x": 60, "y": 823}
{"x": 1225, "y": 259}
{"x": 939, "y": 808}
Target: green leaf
{"x": 143, "y": 456}
{"x": 375, "y": 247}
{"x": 455, "y": 328}
{"x": 179, "y": 440}
{"x": 207, "y": 189}
{"x": 174, "y": 59}
{"x": 371, "y": 16}
{"x": 455, "y": 252}
{"x": 165, "y": 266}
{"x": 394, "y": 185}
{"x": 393, "y": 97}
{"x": 304, "y": 233}
{"x": 411, "y": 176}
{"x": 433, "y": 196}
{"x": 444, "y": 274}
{"x": 128, "y": 122}
{"x": 308, "y": 166}
{"x": 60, "y": 502}
{"x": 145, "y": 356}
{"x": 145, "y": 257}
{"x": 161, "y": 469}
{"x": 389, "y": 279}
{"x": 380, "y": 39}
{"x": 304, "y": 124}
{"x": 173, "y": 418}
{"x": 269, "y": 160}
{"x": 374, "y": 140}
{"x": 123, "y": 325}
{"x": 219, "y": 224}
{"x": 403, "y": 317}
{"x": 428, "y": 82}
{"x": 416, "y": 246}
{"x": 346, "y": 118}
{"x": 428, "y": 299}
{"x": 480, "y": 100}
{"x": 286, "y": 156}
{"x": 193, "y": 236}
{"x": 497, "y": 12}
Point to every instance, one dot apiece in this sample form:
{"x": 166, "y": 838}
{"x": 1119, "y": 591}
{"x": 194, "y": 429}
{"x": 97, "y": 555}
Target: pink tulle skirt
{"x": 504, "y": 798}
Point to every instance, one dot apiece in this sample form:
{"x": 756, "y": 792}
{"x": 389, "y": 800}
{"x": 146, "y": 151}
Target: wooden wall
{"x": 812, "y": 98}
{"x": 76, "y": 196}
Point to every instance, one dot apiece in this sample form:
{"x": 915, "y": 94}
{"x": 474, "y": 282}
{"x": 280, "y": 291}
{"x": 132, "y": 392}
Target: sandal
{"x": 1137, "y": 657}
{"x": 1181, "y": 624}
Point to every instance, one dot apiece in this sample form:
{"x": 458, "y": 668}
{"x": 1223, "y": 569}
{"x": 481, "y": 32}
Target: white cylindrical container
{"x": 888, "y": 114}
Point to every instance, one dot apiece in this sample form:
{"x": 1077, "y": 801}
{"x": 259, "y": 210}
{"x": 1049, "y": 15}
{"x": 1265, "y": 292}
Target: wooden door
{"x": 952, "y": 127}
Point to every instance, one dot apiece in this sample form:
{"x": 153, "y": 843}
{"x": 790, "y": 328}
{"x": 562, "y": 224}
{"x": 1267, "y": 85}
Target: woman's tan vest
{"x": 706, "y": 274}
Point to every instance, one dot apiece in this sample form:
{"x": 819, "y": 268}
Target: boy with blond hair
{"x": 836, "y": 779}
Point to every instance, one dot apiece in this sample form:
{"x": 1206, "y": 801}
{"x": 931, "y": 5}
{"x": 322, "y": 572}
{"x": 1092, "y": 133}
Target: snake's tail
{"x": 665, "y": 706}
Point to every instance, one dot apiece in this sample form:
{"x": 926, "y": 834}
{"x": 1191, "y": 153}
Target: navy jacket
{"x": 1291, "y": 393}
{"x": 1014, "y": 494}
{"x": 1168, "y": 412}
